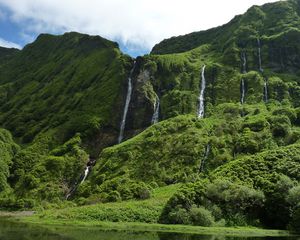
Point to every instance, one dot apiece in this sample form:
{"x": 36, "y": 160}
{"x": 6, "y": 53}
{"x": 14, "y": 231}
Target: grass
{"x": 137, "y": 216}
{"x": 147, "y": 211}
{"x": 151, "y": 227}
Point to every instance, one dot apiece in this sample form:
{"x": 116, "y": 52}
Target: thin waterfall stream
{"x": 243, "y": 90}
{"x": 86, "y": 173}
{"x": 265, "y": 92}
{"x": 259, "y": 55}
{"x": 91, "y": 162}
{"x": 126, "y": 106}
{"x": 155, "y": 117}
{"x": 201, "y": 96}
{"x": 205, "y": 157}
{"x": 244, "y": 58}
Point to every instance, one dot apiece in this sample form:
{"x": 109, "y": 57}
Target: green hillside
{"x": 63, "y": 99}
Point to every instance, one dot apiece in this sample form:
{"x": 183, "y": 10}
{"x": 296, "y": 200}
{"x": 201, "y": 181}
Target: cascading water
{"x": 262, "y": 70}
{"x": 259, "y": 55}
{"x": 155, "y": 116}
{"x": 82, "y": 178}
{"x": 86, "y": 173}
{"x": 207, "y": 150}
{"x": 265, "y": 91}
{"x": 201, "y": 96}
{"x": 128, "y": 98}
{"x": 244, "y": 62}
{"x": 242, "y": 91}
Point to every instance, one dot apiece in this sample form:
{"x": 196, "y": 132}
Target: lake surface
{"x": 19, "y": 231}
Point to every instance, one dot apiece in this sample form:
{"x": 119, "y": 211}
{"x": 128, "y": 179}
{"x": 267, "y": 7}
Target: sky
{"x": 137, "y": 25}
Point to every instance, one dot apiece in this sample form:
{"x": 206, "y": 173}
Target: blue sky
{"x": 135, "y": 24}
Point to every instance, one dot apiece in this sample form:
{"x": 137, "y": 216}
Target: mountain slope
{"x": 70, "y": 82}
{"x": 64, "y": 97}
{"x": 267, "y": 20}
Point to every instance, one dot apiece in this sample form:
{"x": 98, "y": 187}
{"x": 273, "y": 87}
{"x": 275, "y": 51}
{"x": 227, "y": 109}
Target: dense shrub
{"x": 201, "y": 217}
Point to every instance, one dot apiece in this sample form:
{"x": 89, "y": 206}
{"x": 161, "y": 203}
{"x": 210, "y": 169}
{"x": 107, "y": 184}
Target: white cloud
{"x": 138, "y": 22}
{"x": 7, "y": 44}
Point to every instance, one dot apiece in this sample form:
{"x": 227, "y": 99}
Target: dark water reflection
{"x": 19, "y": 231}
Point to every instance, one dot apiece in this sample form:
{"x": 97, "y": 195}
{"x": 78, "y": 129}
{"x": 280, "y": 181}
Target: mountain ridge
{"x": 64, "y": 99}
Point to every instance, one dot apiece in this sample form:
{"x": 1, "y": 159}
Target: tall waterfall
{"x": 155, "y": 116}
{"x": 242, "y": 91}
{"x": 201, "y": 96}
{"x": 128, "y": 98}
{"x": 244, "y": 58}
{"x": 259, "y": 55}
{"x": 207, "y": 150}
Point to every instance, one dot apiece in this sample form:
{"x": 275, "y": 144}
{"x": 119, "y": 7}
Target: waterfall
{"x": 128, "y": 98}
{"x": 207, "y": 150}
{"x": 242, "y": 91}
{"x": 244, "y": 62}
{"x": 265, "y": 91}
{"x": 86, "y": 173}
{"x": 155, "y": 116}
{"x": 201, "y": 96}
{"x": 262, "y": 70}
{"x": 82, "y": 178}
{"x": 259, "y": 55}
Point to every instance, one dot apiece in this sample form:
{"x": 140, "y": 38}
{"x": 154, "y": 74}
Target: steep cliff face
{"x": 70, "y": 83}
{"x": 65, "y": 98}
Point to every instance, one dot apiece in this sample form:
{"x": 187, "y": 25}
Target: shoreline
{"x": 150, "y": 227}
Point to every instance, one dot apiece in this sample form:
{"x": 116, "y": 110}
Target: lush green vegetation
{"x": 147, "y": 211}
{"x": 8, "y": 150}
{"x": 62, "y": 98}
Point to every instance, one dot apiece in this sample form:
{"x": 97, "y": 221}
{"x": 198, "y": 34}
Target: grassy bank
{"x": 140, "y": 227}
{"x": 134, "y": 216}
{"x": 146, "y": 211}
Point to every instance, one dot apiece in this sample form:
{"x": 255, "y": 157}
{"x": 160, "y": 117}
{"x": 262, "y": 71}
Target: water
{"x": 82, "y": 178}
{"x": 201, "y": 96}
{"x": 265, "y": 91}
{"x": 259, "y": 55}
{"x": 207, "y": 150}
{"x": 86, "y": 173}
{"x": 155, "y": 117}
{"x": 244, "y": 62}
{"x": 128, "y": 98}
{"x": 262, "y": 70}
{"x": 242, "y": 91}
{"x": 20, "y": 231}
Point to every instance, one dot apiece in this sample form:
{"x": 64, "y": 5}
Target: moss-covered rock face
{"x": 69, "y": 83}
{"x": 63, "y": 99}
